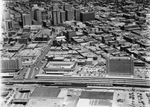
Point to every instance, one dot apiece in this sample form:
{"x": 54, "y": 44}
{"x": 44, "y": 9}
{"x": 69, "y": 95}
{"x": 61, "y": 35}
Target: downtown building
{"x": 70, "y": 15}
{"x": 37, "y": 17}
{"x": 120, "y": 66}
{"x": 26, "y": 19}
{"x": 8, "y": 25}
{"x": 87, "y": 16}
{"x": 56, "y": 17}
{"x": 9, "y": 65}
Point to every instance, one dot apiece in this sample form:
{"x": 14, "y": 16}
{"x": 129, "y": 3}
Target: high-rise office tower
{"x": 58, "y": 17}
{"x": 8, "y": 24}
{"x": 38, "y": 15}
{"x": 70, "y": 15}
{"x": 62, "y": 16}
{"x": 26, "y": 19}
{"x": 54, "y": 17}
{"x": 77, "y": 14}
{"x": 32, "y": 14}
{"x": 87, "y": 16}
{"x": 120, "y": 66}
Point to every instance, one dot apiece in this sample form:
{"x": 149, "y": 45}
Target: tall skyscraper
{"x": 32, "y": 14}
{"x": 8, "y": 24}
{"x": 58, "y": 17}
{"x": 70, "y": 15}
{"x": 118, "y": 66}
{"x": 77, "y": 14}
{"x": 62, "y": 16}
{"x": 26, "y": 19}
{"x": 54, "y": 17}
{"x": 38, "y": 15}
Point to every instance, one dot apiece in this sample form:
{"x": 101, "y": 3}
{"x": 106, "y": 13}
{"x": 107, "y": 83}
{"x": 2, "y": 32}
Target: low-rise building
{"x": 57, "y": 66}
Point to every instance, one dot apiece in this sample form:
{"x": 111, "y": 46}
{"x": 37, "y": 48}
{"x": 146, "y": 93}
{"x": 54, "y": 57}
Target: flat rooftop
{"x": 60, "y": 64}
{"x": 120, "y": 66}
{"x": 96, "y": 95}
{"x": 45, "y": 92}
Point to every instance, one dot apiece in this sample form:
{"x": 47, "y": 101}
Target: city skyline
{"x": 72, "y": 54}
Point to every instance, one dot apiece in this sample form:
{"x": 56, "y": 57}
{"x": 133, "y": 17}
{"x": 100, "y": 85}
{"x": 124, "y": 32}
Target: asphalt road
{"x": 21, "y": 73}
{"x": 37, "y": 64}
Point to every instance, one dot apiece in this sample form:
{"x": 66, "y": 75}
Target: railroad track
{"x": 77, "y": 80}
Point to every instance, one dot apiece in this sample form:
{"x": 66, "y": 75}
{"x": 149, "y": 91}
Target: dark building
{"x": 26, "y": 19}
{"x": 70, "y": 34}
{"x": 32, "y": 14}
{"x": 38, "y": 15}
{"x": 77, "y": 14}
{"x": 41, "y": 38}
{"x": 120, "y": 66}
{"x": 70, "y": 15}
{"x": 23, "y": 40}
{"x": 56, "y": 17}
{"x": 87, "y": 16}
{"x": 62, "y": 16}
{"x": 8, "y": 24}
{"x": 97, "y": 95}
{"x": 45, "y": 92}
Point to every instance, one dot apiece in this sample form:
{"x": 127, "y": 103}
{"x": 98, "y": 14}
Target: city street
{"x": 37, "y": 64}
